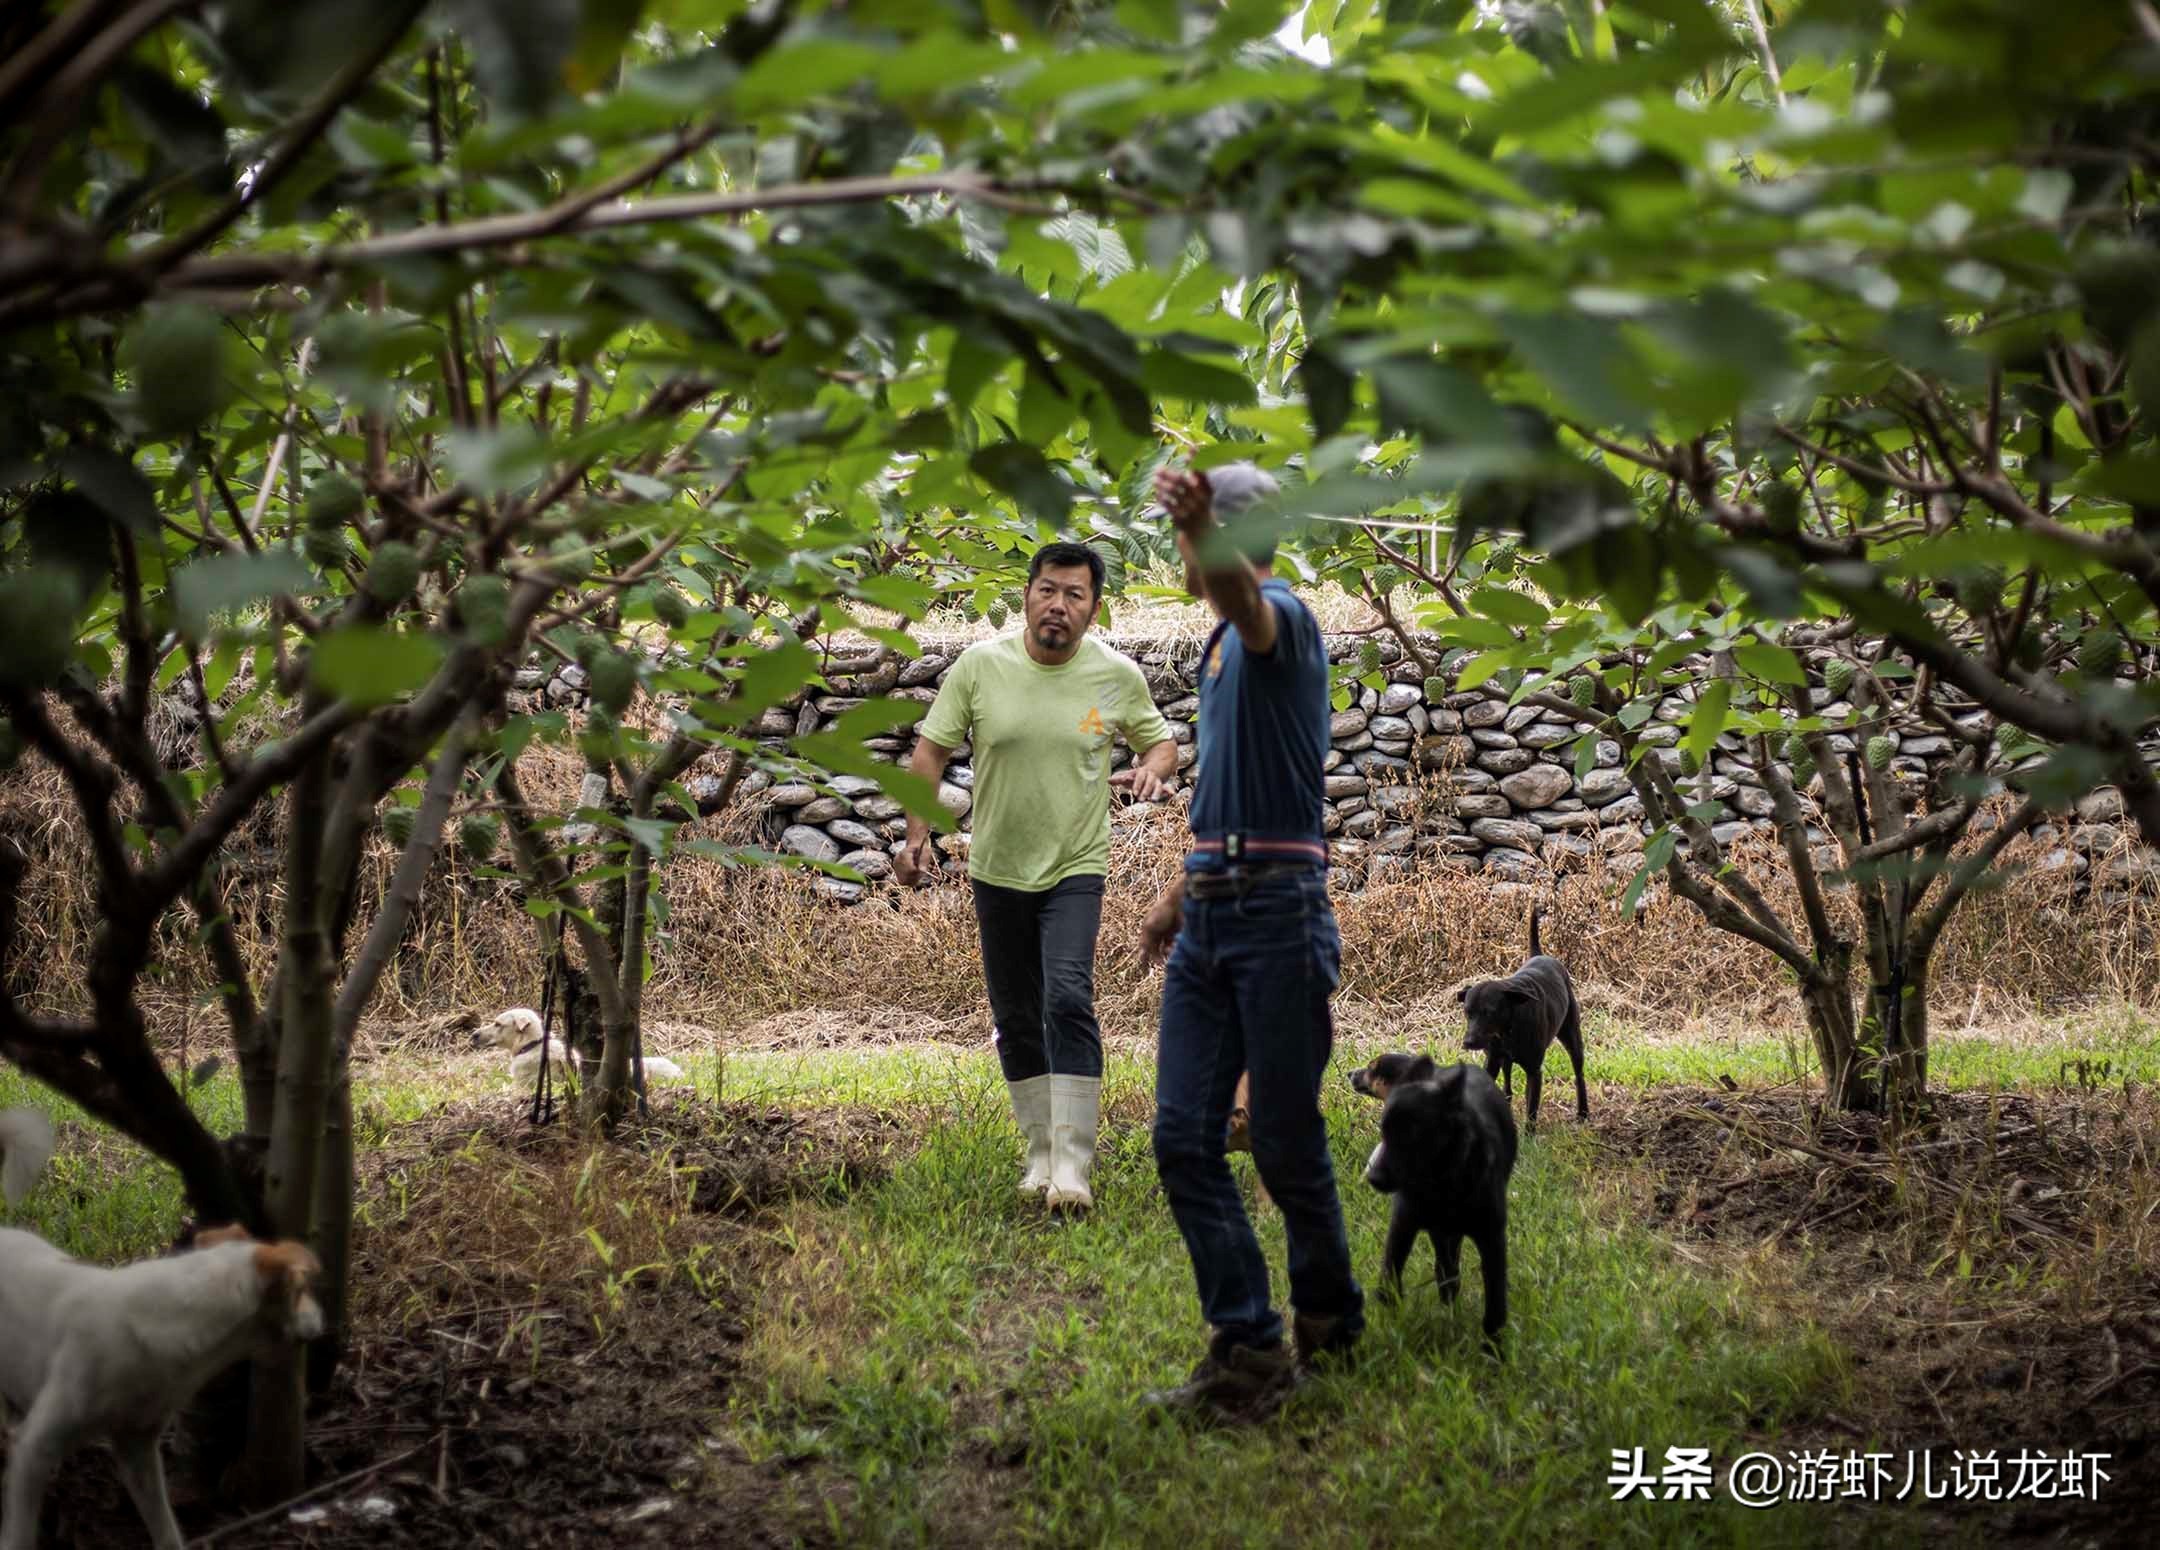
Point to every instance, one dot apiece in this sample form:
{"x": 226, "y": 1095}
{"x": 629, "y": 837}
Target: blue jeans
{"x": 1247, "y": 990}
{"x": 1039, "y": 964}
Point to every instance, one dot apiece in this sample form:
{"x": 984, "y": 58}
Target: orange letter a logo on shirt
{"x": 1092, "y": 723}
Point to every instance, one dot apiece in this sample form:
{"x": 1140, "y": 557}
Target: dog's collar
{"x": 523, "y": 1049}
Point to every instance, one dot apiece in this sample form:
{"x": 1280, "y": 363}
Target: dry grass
{"x": 1992, "y": 1266}
{"x": 743, "y": 944}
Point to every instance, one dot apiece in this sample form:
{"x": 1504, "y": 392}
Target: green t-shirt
{"x": 1042, "y": 754}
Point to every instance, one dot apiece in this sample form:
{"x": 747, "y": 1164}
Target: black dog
{"x": 1381, "y": 1077}
{"x": 1447, "y": 1146}
{"x": 1513, "y": 1021}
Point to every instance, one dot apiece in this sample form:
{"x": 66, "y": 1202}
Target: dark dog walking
{"x": 1514, "y": 1020}
{"x": 1447, "y": 1147}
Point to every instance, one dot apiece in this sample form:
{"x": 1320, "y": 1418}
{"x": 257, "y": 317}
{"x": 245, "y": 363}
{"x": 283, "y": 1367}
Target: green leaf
{"x": 898, "y": 593}
{"x": 1023, "y": 473}
{"x": 222, "y": 582}
{"x": 1708, "y": 720}
{"x": 604, "y": 26}
{"x": 370, "y": 666}
{"x": 114, "y": 484}
{"x": 845, "y": 756}
{"x": 1771, "y": 663}
{"x": 768, "y": 678}
{"x": 1437, "y": 400}
{"x": 1480, "y": 668}
{"x": 969, "y": 366}
{"x": 1168, "y": 374}
{"x": 518, "y": 49}
{"x": 799, "y": 71}
{"x": 1512, "y": 608}
{"x": 175, "y": 360}
{"x": 876, "y": 717}
{"x": 490, "y": 462}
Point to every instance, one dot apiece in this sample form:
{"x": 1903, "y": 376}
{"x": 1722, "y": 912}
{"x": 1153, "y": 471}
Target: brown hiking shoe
{"x": 1236, "y": 1385}
{"x": 1323, "y": 1343}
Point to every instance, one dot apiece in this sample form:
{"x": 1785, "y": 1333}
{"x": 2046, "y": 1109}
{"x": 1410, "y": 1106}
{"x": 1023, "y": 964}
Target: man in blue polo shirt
{"x": 1254, "y": 957}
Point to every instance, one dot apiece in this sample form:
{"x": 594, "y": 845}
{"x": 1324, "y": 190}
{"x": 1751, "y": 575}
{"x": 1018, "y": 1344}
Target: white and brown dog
{"x": 90, "y": 1352}
{"x": 518, "y": 1030}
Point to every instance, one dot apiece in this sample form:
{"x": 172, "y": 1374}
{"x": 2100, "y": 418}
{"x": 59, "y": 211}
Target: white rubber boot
{"x": 1075, "y": 1103}
{"x": 1031, "y": 1107}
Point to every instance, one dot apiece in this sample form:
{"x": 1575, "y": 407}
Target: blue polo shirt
{"x": 1264, "y": 723}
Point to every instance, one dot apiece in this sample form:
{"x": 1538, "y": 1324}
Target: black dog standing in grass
{"x": 1514, "y": 1020}
{"x": 1447, "y": 1148}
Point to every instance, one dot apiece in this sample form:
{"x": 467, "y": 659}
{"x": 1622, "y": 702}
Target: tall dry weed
{"x": 742, "y": 944}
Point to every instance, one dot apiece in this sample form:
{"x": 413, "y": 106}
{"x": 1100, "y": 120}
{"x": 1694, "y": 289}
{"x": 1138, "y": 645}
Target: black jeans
{"x": 1039, "y": 961}
{"x": 1247, "y": 990}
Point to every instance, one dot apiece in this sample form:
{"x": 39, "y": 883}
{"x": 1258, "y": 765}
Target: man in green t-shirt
{"x": 1040, "y": 708}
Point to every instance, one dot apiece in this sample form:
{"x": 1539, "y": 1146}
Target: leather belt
{"x": 1236, "y": 882}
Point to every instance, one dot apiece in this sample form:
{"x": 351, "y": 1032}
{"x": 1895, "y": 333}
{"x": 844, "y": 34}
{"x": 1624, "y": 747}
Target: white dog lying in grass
{"x": 518, "y": 1031}
{"x": 89, "y": 1352}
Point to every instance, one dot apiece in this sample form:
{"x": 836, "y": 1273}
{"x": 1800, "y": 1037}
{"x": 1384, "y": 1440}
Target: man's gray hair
{"x": 1238, "y": 487}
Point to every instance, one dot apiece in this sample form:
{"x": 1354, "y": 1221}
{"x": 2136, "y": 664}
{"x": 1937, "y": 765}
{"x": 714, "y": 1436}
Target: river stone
{"x": 1484, "y": 806}
{"x": 1340, "y": 786}
{"x": 1547, "y": 734}
{"x": 793, "y": 794}
{"x": 1366, "y": 763}
{"x": 1398, "y": 698}
{"x": 1754, "y": 801}
{"x": 1485, "y": 713}
{"x": 1552, "y": 822}
{"x": 1538, "y": 786}
{"x": 856, "y": 836}
{"x": 1362, "y": 826}
{"x": 1573, "y": 846}
{"x": 1601, "y": 786}
{"x": 955, "y": 799}
{"x": 1513, "y": 833}
{"x": 1348, "y": 723}
{"x": 873, "y": 864}
{"x": 811, "y": 844}
{"x": 823, "y": 810}
{"x": 1506, "y": 761}
{"x": 1521, "y": 716}
{"x": 1514, "y": 865}
{"x": 1397, "y": 799}
{"x": 2102, "y": 806}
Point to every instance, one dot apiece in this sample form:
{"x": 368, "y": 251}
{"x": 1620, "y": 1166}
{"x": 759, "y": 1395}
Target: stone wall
{"x": 1461, "y": 780}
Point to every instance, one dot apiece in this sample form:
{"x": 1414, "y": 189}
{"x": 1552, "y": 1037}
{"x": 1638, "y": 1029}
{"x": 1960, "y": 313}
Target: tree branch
{"x": 351, "y": 79}
{"x": 406, "y": 883}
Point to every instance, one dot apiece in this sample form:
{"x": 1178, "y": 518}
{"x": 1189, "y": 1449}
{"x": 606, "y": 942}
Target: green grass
{"x": 928, "y": 1353}
{"x": 934, "y": 1321}
{"x": 2103, "y": 1049}
{"x": 105, "y": 1198}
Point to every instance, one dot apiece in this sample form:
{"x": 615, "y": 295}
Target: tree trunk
{"x": 1849, "y": 1081}
{"x": 277, "y": 1456}
{"x": 333, "y": 1233}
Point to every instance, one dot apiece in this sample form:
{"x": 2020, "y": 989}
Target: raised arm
{"x": 1227, "y": 580}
